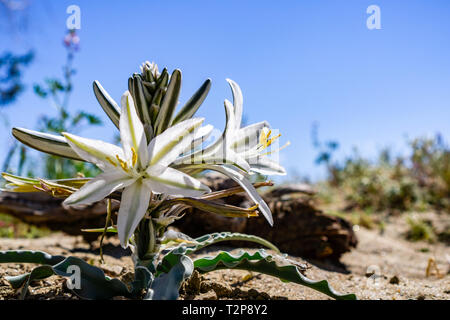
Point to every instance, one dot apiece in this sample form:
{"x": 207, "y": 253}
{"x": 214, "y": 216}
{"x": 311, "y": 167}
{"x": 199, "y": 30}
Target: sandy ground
{"x": 383, "y": 266}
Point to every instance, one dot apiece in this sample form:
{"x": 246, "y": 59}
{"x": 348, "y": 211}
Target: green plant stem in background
{"x": 57, "y": 92}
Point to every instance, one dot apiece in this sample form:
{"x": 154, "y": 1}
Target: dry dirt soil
{"x": 383, "y": 266}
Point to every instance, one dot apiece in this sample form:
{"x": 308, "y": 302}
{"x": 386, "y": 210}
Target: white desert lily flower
{"x": 138, "y": 168}
{"x": 245, "y": 147}
{"x": 238, "y": 152}
{"x": 252, "y": 141}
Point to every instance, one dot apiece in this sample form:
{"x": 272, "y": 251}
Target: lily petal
{"x": 199, "y": 137}
{"x": 238, "y": 101}
{"x": 228, "y": 156}
{"x": 265, "y": 166}
{"x": 220, "y": 157}
{"x": 230, "y": 126}
{"x": 227, "y": 133}
{"x": 247, "y": 137}
{"x": 174, "y": 182}
{"x": 240, "y": 178}
{"x": 100, "y": 187}
{"x": 133, "y": 205}
{"x": 132, "y": 132}
{"x": 98, "y": 152}
{"x": 167, "y": 146}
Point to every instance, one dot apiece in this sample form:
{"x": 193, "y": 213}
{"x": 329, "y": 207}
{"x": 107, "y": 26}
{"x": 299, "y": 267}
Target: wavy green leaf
{"x": 171, "y": 257}
{"x": 264, "y": 263}
{"x": 143, "y": 279}
{"x": 23, "y": 281}
{"x": 94, "y": 284}
{"x": 29, "y": 256}
{"x": 216, "y": 237}
{"x": 167, "y": 285}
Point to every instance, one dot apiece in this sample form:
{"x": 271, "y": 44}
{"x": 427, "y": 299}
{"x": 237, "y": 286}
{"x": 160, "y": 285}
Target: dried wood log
{"x": 292, "y": 189}
{"x": 41, "y": 209}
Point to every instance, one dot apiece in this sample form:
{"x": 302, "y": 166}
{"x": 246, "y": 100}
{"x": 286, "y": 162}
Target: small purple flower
{"x": 72, "y": 40}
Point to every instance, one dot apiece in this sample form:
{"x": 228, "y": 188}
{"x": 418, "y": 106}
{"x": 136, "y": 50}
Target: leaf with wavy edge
{"x": 167, "y": 285}
{"x": 24, "y": 280}
{"x": 94, "y": 283}
{"x": 216, "y": 237}
{"x": 170, "y": 258}
{"x": 264, "y": 263}
{"x": 29, "y": 256}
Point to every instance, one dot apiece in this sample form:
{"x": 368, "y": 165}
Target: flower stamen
{"x": 265, "y": 140}
{"x": 269, "y": 142}
{"x": 111, "y": 161}
{"x": 133, "y": 156}
{"x": 279, "y": 149}
{"x": 123, "y": 164}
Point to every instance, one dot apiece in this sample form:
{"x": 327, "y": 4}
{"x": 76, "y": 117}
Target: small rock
{"x": 113, "y": 270}
{"x": 394, "y": 280}
{"x": 421, "y": 297}
{"x": 127, "y": 277}
{"x": 193, "y": 284}
{"x": 221, "y": 290}
{"x": 210, "y": 295}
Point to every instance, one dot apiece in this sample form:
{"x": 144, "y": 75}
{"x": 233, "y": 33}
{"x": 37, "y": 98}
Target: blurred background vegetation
{"x": 417, "y": 182}
{"x": 57, "y": 92}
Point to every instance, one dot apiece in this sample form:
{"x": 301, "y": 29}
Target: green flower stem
{"x": 108, "y": 219}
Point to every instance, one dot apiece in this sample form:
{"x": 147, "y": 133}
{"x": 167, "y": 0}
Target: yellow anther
{"x": 264, "y": 140}
{"x": 133, "y": 156}
{"x": 123, "y": 164}
{"x": 111, "y": 161}
{"x": 263, "y": 137}
{"x": 269, "y": 142}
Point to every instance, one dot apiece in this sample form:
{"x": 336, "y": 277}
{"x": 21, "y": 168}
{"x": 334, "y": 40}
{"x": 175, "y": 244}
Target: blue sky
{"x": 297, "y": 62}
